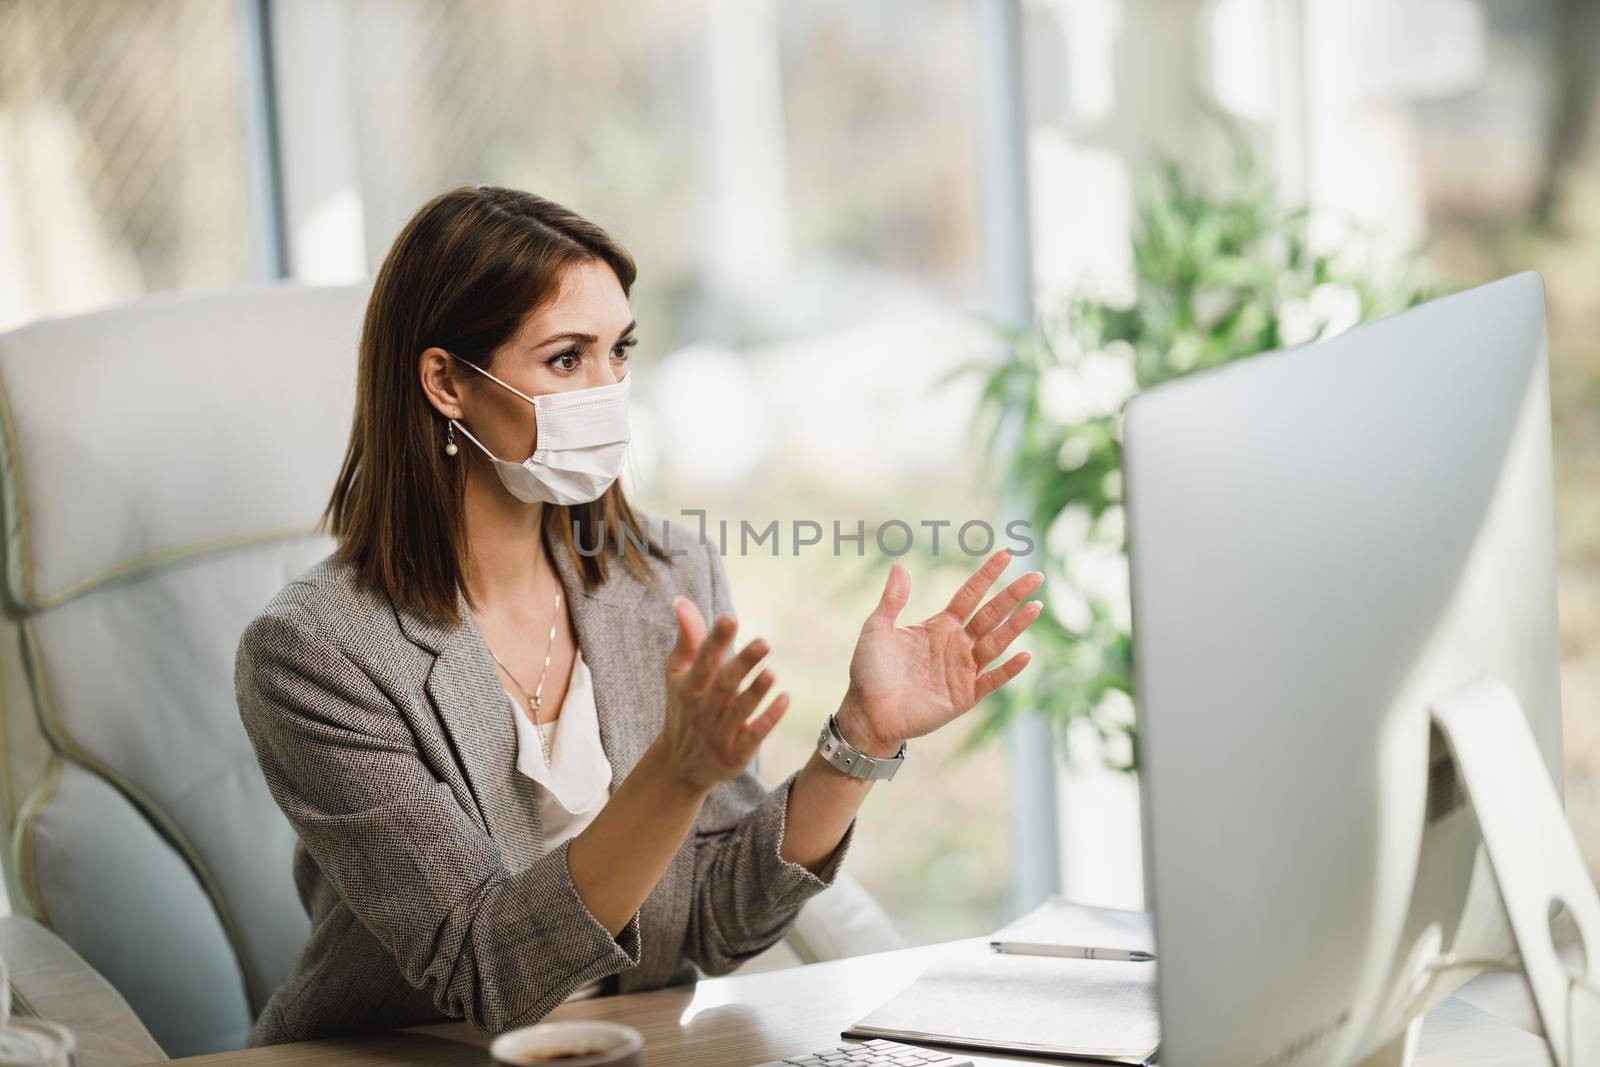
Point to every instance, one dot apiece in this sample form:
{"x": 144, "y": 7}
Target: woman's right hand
{"x": 706, "y": 738}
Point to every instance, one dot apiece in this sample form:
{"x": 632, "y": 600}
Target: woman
{"x": 520, "y": 768}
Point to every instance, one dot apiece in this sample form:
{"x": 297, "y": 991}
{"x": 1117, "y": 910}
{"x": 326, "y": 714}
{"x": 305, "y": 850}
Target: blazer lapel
{"x": 467, "y": 695}
{"x": 625, "y": 629}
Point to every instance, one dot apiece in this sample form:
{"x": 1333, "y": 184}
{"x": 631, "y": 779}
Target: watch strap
{"x": 846, "y": 758}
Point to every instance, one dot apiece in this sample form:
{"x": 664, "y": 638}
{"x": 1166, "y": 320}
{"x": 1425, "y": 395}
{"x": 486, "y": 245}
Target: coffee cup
{"x": 576, "y": 1043}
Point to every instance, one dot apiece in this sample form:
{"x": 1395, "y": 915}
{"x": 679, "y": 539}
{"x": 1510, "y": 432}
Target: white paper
{"x": 1029, "y": 1004}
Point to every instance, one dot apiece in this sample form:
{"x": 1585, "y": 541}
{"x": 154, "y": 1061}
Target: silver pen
{"x": 1076, "y": 952}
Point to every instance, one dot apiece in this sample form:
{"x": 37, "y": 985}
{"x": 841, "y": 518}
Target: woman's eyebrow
{"x": 583, "y": 338}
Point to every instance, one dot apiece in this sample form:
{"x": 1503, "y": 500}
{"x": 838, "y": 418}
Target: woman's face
{"x": 579, "y": 340}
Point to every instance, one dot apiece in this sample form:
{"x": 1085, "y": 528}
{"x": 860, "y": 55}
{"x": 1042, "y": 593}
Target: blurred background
{"x": 835, "y": 206}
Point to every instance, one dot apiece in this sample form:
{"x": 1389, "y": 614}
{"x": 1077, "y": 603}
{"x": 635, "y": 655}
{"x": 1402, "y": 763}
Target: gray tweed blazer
{"x": 386, "y": 739}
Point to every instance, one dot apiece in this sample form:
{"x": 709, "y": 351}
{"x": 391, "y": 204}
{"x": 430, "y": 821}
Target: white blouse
{"x": 577, "y": 784}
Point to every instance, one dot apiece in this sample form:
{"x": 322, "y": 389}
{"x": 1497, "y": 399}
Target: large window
{"x": 798, "y": 183}
{"x": 1465, "y": 128}
{"x": 803, "y": 187}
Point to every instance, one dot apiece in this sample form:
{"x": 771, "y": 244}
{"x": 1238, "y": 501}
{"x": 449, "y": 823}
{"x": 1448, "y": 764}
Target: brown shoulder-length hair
{"x": 462, "y": 275}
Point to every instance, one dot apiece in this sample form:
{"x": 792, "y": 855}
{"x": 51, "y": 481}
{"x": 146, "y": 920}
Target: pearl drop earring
{"x": 450, "y": 448}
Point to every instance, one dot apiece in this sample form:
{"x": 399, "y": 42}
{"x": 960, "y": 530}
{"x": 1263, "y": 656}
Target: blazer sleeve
{"x": 746, "y": 894}
{"x": 495, "y": 948}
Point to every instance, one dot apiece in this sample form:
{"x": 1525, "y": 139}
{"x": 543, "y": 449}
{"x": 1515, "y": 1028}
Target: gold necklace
{"x": 538, "y": 690}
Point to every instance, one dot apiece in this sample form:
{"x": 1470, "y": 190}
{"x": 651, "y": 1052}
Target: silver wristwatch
{"x": 852, "y": 761}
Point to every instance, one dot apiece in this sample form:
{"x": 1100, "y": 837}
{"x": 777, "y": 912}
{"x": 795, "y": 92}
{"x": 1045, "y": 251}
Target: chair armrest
{"x": 50, "y": 981}
{"x": 842, "y": 920}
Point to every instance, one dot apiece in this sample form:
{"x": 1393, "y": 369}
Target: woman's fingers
{"x": 691, "y": 632}
{"x": 995, "y": 641}
{"x": 999, "y": 606}
{"x": 972, "y": 590}
{"x": 756, "y": 730}
{"x": 725, "y": 683}
{"x": 709, "y": 658}
{"x": 989, "y": 681}
{"x": 896, "y": 590}
{"x": 745, "y": 703}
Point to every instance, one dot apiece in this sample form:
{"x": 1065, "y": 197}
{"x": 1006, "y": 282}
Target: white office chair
{"x": 161, "y": 466}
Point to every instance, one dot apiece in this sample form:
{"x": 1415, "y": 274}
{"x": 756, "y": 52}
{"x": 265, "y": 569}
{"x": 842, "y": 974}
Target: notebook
{"x": 1035, "y": 1005}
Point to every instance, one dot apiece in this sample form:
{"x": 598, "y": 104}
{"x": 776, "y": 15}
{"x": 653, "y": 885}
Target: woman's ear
{"x": 437, "y": 372}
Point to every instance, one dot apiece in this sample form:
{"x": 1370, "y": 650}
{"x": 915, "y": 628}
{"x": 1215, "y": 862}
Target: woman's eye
{"x": 565, "y": 361}
{"x": 621, "y": 350}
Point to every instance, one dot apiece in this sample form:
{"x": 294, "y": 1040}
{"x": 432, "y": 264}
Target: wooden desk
{"x": 749, "y": 1019}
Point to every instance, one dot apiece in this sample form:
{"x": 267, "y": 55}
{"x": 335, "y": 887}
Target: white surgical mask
{"x": 582, "y": 440}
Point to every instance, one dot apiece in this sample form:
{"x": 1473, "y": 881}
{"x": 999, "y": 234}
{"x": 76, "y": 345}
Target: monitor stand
{"x": 1535, "y": 862}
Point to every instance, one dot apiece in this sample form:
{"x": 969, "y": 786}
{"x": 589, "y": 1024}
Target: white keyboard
{"x": 875, "y": 1053}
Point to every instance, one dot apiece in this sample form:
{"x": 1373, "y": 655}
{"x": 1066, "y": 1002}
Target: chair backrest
{"x": 162, "y": 465}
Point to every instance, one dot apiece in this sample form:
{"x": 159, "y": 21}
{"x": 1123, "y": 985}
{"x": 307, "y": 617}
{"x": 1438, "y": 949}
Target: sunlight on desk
{"x": 706, "y": 995}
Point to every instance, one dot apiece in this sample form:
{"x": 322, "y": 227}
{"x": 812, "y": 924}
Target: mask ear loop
{"x": 474, "y": 440}
{"x": 492, "y": 378}
{"x": 462, "y": 427}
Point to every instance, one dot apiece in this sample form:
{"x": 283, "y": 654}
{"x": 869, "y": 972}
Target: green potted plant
{"x": 1222, "y": 271}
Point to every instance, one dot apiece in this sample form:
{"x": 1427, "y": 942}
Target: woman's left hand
{"x": 907, "y": 681}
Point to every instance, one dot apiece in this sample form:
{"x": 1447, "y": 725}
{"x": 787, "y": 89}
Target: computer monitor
{"x": 1324, "y": 540}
